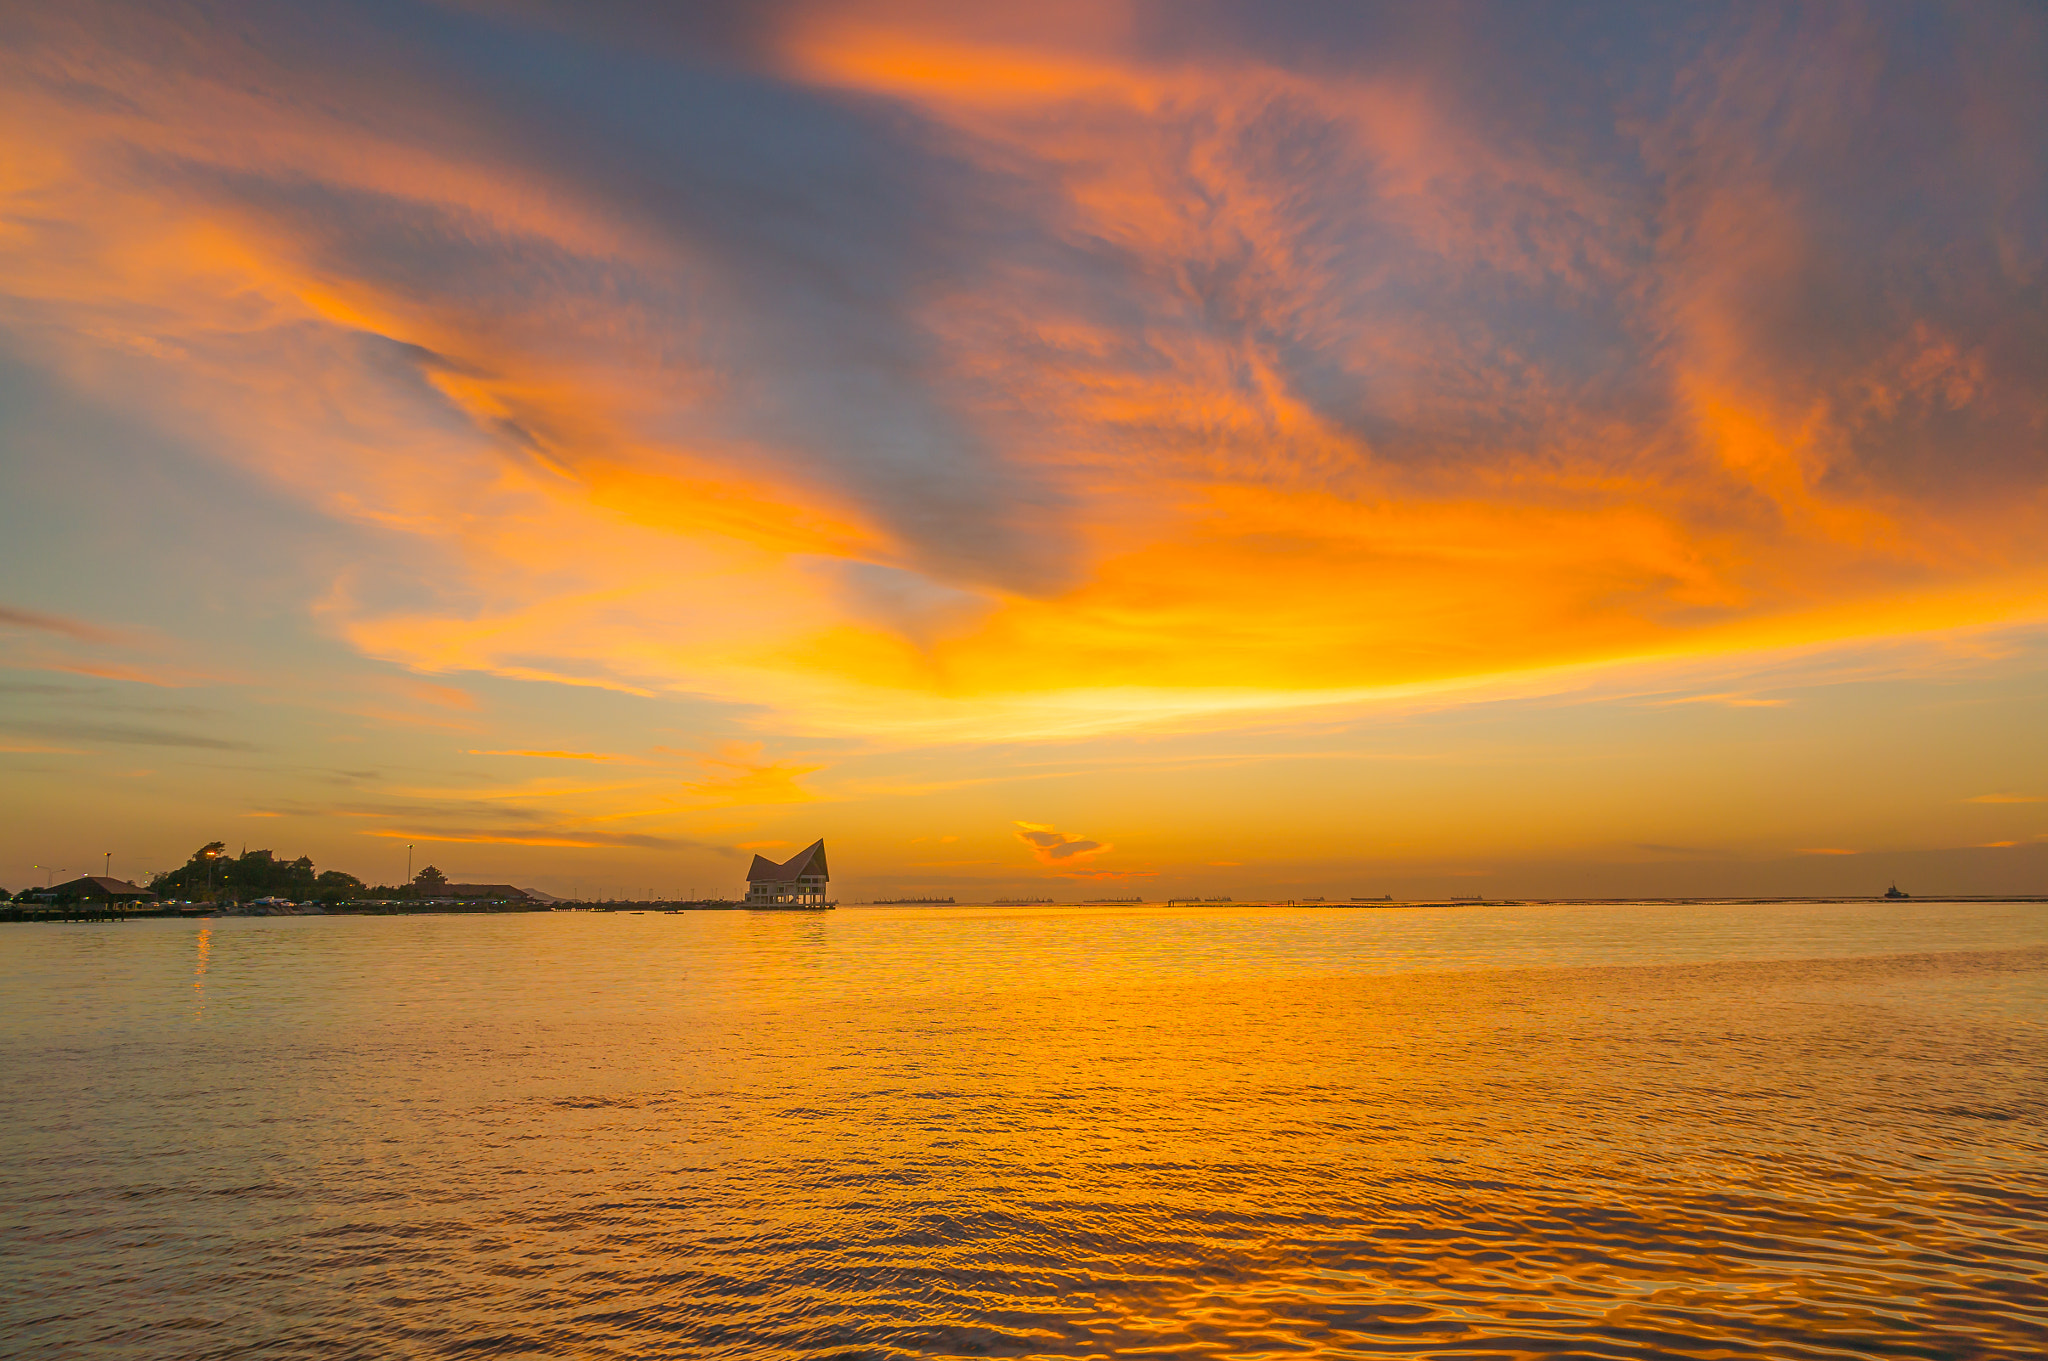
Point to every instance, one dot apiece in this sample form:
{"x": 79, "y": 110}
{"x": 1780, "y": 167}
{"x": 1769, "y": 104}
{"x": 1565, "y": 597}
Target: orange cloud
{"x": 1827, "y": 850}
{"x": 2006, "y": 798}
{"x": 1734, "y": 699}
{"x": 1280, "y": 384}
{"x": 426, "y": 692}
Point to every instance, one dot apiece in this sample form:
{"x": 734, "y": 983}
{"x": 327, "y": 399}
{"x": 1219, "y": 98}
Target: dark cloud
{"x": 783, "y": 243}
{"x": 1057, "y": 848}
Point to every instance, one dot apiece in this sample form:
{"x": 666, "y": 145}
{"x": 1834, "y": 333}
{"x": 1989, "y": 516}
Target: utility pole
{"x": 408, "y": 862}
{"x": 107, "y": 872}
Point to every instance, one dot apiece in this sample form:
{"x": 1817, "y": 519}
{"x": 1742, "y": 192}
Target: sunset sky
{"x": 1046, "y": 450}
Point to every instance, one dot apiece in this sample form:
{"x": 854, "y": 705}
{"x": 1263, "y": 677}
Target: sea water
{"x": 1777, "y": 1130}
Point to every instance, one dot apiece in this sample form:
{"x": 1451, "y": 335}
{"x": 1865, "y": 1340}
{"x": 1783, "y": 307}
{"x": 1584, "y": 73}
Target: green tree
{"x": 199, "y": 877}
{"x": 332, "y": 886}
{"x": 213, "y": 873}
{"x": 252, "y": 874}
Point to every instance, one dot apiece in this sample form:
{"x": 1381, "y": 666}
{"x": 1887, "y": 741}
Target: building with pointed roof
{"x": 501, "y": 893}
{"x": 799, "y": 881}
{"x": 96, "y": 888}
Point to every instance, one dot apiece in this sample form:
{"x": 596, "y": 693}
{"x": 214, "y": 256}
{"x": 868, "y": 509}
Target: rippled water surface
{"x": 1781, "y": 1131}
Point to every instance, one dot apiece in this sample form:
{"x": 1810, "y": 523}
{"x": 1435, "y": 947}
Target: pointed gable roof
{"x": 100, "y": 886}
{"x": 809, "y": 860}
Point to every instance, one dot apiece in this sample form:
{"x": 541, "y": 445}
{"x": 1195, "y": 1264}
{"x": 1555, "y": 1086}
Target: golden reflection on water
{"x": 920, "y": 1135}
{"x": 200, "y": 942}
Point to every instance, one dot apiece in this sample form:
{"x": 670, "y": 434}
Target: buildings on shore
{"x": 799, "y": 881}
{"x": 93, "y": 888}
{"x": 498, "y": 893}
{"x": 99, "y": 888}
{"x": 802, "y": 881}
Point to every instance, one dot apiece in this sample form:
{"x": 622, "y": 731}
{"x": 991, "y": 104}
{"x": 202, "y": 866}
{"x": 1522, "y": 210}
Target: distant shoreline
{"x": 90, "y": 912}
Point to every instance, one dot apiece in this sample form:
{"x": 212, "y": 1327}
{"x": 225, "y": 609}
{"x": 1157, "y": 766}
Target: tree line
{"x": 214, "y": 875}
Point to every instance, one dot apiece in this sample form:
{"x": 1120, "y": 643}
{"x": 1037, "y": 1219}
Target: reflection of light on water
{"x": 1225, "y": 1130}
{"x": 199, "y": 972}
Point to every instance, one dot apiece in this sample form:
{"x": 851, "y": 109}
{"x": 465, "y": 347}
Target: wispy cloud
{"x": 78, "y": 630}
{"x": 128, "y": 734}
{"x": 989, "y": 382}
{"x": 1689, "y": 852}
{"x": 165, "y": 677}
{"x": 2006, "y": 798}
{"x": 571, "y": 839}
{"x": 1058, "y": 850}
{"x": 1827, "y": 850}
{"x": 1730, "y": 699}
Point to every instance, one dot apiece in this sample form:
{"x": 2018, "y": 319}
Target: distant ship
{"x": 1893, "y": 892}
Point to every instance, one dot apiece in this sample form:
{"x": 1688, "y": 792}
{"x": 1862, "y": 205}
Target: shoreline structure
{"x": 20, "y": 911}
